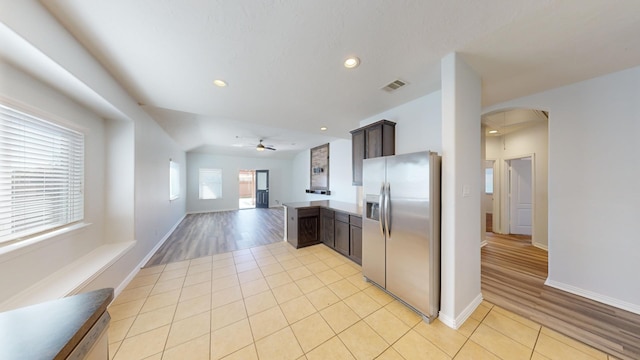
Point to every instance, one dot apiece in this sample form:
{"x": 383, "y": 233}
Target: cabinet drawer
{"x": 355, "y": 220}
{"x": 326, "y": 213}
{"x": 342, "y": 217}
{"x": 308, "y": 212}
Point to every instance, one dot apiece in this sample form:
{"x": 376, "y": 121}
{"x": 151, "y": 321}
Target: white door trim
{"x": 504, "y": 207}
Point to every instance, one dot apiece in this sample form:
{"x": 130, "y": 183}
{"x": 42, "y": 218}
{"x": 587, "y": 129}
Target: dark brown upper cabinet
{"x": 374, "y": 140}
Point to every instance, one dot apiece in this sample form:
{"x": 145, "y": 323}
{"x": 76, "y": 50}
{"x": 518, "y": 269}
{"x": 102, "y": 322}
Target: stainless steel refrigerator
{"x": 401, "y": 228}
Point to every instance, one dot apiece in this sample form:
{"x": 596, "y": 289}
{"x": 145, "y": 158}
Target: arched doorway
{"x": 515, "y": 144}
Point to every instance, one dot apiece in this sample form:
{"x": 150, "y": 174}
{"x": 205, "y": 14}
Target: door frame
{"x": 505, "y": 203}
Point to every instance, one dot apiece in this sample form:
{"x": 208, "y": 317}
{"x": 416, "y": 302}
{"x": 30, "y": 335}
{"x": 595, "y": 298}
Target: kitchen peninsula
{"x": 336, "y": 224}
{"x": 74, "y": 327}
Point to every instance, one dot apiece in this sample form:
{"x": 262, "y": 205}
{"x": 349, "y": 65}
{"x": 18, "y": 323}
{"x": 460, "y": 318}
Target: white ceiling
{"x": 505, "y": 122}
{"x": 283, "y": 59}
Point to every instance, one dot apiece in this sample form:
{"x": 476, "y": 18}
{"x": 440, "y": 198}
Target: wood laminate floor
{"x": 513, "y": 276}
{"x": 213, "y": 233}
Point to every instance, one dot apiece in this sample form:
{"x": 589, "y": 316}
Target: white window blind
{"x": 210, "y": 183}
{"x": 174, "y": 180}
{"x": 41, "y": 175}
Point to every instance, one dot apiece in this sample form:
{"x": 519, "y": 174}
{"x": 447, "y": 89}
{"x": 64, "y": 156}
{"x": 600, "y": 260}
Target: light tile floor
{"x": 276, "y": 302}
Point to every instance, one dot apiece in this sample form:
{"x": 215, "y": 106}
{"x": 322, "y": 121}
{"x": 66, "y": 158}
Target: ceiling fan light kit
{"x": 261, "y": 147}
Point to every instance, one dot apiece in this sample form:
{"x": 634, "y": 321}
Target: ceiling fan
{"x": 261, "y": 147}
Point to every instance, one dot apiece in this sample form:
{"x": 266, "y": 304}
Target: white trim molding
{"x": 135, "y": 271}
{"x": 634, "y": 308}
{"x": 464, "y": 315}
{"x": 540, "y": 246}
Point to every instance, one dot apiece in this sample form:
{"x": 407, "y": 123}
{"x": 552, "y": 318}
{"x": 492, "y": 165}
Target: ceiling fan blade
{"x": 261, "y": 146}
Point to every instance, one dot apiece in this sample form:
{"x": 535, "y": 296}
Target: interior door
{"x": 521, "y": 216}
{"x": 262, "y": 189}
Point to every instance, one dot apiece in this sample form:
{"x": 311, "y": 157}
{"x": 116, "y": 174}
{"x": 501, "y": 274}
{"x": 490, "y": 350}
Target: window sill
{"x": 11, "y": 251}
{"x": 70, "y": 279}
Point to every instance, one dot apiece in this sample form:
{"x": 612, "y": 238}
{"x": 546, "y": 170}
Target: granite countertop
{"x": 51, "y": 330}
{"x": 329, "y": 204}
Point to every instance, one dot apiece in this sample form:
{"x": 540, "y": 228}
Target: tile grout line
{"x": 285, "y": 256}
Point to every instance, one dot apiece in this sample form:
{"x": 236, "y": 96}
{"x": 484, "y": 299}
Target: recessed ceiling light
{"x": 324, "y": 128}
{"x": 351, "y": 62}
{"x": 219, "y": 83}
{"x": 493, "y": 131}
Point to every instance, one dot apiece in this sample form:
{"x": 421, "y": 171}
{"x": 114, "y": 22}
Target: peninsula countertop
{"x": 53, "y": 329}
{"x": 346, "y": 207}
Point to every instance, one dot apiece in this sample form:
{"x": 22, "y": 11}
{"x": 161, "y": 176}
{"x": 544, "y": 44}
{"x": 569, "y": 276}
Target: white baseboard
{"x": 135, "y": 271}
{"x": 210, "y": 211}
{"x": 483, "y": 243}
{"x": 634, "y": 308}
{"x": 540, "y": 246}
{"x": 223, "y": 210}
{"x": 456, "y": 322}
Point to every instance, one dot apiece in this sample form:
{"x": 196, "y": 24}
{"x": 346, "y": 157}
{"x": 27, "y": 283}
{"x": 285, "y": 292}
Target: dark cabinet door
{"x": 342, "y": 237}
{"x": 307, "y": 230}
{"x": 327, "y": 228}
{"x": 380, "y": 140}
{"x": 357, "y": 153}
{"x": 356, "y": 244}
{"x": 308, "y": 227}
{"x": 371, "y": 141}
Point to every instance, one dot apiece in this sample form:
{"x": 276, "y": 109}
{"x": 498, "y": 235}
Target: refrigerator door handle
{"x": 381, "y": 209}
{"x": 387, "y": 210}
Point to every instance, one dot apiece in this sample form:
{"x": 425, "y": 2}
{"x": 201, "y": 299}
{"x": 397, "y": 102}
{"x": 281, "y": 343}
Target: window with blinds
{"x": 41, "y": 175}
{"x": 210, "y": 181}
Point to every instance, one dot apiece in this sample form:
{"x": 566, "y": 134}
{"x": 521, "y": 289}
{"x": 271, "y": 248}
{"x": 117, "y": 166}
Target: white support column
{"x": 461, "y": 182}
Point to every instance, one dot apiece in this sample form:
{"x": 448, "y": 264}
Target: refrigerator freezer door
{"x": 409, "y": 248}
{"x": 373, "y": 240}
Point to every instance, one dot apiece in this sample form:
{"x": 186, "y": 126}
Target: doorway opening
{"x": 253, "y": 189}
{"x": 247, "y": 189}
{"x": 515, "y": 205}
{"x": 487, "y": 199}
{"x": 516, "y": 160}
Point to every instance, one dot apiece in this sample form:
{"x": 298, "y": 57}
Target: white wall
{"x": 418, "y": 128}
{"x": 340, "y": 174}
{"x": 145, "y": 142}
{"x": 419, "y": 124}
{"x": 594, "y": 172}
{"x": 279, "y": 180}
{"x": 461, "y": 189}
{"x": 119, "y": 184}
{"x": 523, "y": 143}
{"x": 22, "y": 268}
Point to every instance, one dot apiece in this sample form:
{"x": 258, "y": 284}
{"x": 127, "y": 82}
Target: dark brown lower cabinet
{"x": 308, "y": 227}
{"x": 327, "y": 228}
{"x": 356, "y": 244}
{"x": 342, "y": 237}
{"x": 340, "y": 231}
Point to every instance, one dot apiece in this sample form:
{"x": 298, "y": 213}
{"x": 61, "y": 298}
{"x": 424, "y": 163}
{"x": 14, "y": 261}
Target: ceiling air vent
{"x": 394, "y": 85}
